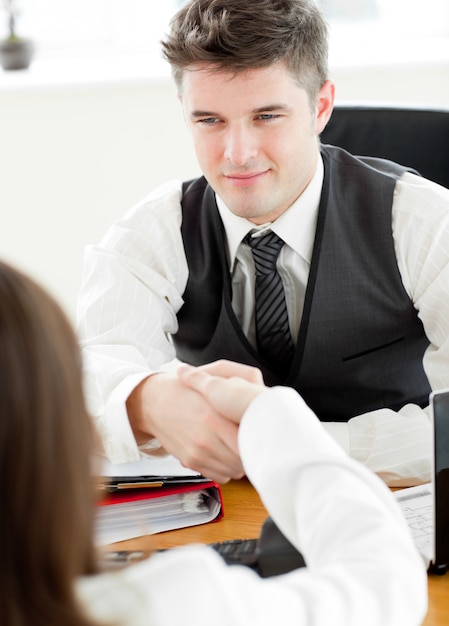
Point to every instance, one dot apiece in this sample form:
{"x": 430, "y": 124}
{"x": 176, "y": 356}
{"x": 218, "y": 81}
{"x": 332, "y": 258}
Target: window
{"x": 81, "y": 28}
{"x": 86, "y": 27}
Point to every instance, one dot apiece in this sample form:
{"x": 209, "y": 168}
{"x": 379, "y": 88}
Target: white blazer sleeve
{"x": 362, "y": 566}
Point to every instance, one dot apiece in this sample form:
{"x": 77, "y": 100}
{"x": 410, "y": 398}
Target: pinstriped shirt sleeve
{"x": 131, "y": 291}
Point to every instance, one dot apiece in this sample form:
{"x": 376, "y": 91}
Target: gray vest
{"x": 360, "y": 343}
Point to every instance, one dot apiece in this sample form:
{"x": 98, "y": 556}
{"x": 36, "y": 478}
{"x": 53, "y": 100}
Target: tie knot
{"x": 265, "y": 251}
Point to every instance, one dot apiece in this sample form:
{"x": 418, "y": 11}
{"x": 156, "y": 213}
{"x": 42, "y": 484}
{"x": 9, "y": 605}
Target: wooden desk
{"x": 244, "y": 515}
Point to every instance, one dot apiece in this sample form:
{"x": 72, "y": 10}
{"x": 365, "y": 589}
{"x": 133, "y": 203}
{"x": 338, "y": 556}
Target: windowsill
{"x": 83, "y": 71}
{"x": 141, "y": 69}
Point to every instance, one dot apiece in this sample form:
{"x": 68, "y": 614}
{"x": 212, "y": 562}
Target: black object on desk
{"x": 270, "y": 555}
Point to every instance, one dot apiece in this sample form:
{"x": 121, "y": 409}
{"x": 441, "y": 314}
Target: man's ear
{"x": 325, "y": 105}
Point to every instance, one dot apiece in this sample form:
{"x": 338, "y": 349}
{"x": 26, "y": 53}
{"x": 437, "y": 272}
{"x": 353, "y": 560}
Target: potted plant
{"x": 16, "y": 52}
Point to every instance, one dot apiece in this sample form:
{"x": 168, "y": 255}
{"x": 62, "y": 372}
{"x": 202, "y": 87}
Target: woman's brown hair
{"x": 46, "y": 487}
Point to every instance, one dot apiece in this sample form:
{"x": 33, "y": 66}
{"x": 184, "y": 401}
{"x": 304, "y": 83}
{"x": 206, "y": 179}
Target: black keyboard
{"x": 242, "y": 551}
{"x": 269, "y": 555}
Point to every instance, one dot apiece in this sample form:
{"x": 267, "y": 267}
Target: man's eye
{"x": 208, "y": 121}
{"x": 268, "y": 116}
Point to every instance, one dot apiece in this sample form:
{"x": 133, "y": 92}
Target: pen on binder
{"x": 114, "y": 483}
{"x": 131, "y": 485}
{"x": 119, "y": 558}
{"x": 124, "y": 556}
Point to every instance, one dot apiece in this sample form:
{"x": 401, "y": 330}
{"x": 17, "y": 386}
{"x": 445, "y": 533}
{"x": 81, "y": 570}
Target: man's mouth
{"x": 245, "y": 179}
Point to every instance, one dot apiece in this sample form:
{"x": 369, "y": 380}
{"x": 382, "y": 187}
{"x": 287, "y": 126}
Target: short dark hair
{"x": 236, "y": 36}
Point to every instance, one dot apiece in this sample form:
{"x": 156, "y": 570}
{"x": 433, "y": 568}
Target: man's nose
{"x": 241, "y": 145}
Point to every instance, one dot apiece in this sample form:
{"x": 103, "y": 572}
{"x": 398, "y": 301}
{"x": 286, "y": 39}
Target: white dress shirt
{"x": 362, "y": 565}
{"x": 133, "y": 285}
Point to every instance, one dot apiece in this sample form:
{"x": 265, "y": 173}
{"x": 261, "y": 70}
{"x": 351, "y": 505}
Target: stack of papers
{"x": 153, "y": 495}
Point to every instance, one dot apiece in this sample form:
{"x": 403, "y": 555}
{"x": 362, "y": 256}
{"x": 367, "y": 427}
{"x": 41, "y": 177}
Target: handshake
{"x": 195, "y": 414}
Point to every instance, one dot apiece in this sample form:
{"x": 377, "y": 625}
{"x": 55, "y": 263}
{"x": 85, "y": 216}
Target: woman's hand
{"x": 228, "y": 387}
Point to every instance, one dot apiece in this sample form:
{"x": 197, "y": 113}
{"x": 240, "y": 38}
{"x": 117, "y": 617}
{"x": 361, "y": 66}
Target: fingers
{"x": 196, "y": 378}
{"x": 228, "y": 369}
{"x": 230, "y": 397}
{"x": 214, "y": 452}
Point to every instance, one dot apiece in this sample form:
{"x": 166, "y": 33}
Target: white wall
{"x": 74, "y": 158}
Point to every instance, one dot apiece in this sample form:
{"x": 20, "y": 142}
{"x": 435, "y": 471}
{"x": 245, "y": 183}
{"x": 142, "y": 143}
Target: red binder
{"x": 135, "y": 511}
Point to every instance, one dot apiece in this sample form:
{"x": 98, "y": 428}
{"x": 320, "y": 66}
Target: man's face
{"x": 255, "y": 135}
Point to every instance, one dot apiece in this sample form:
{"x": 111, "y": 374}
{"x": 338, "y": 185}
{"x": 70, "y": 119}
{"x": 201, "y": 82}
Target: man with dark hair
{"x": 328, "y": 272}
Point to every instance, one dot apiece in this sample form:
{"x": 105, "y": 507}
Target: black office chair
{"x": 415, "y": 137}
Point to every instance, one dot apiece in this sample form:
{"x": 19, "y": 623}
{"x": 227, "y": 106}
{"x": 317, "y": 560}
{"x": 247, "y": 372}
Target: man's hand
{"x": 186, "y": 425}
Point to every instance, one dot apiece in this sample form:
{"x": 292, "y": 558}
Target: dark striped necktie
{"x": 274, "y": 341}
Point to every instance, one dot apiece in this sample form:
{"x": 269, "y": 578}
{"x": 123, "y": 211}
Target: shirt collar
{"x": 296, "y": 226}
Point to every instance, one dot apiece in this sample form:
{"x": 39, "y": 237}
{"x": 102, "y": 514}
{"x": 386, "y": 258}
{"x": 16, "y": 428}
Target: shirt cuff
{"x": 118, "y": 439}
